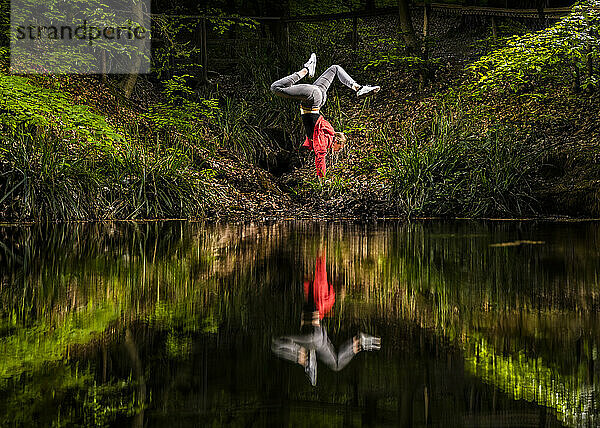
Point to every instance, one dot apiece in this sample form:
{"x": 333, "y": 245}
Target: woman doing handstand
{"x": 320, "y": 135}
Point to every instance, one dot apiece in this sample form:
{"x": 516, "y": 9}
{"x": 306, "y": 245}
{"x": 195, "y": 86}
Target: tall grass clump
{"x": 52, "y": 179}
{"x": 452, "y": 168}
{"x": 238, "y": 131}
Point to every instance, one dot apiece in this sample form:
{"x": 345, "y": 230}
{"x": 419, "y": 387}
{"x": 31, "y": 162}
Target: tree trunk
{"x": 424, "y": 73}
{"x": 406, "y": 26}
{"x": 204, "y": 52}
{"x": 134, "y": 71}
{"x": 279, "y": 29}
{"x": 138, "y": 372}
{"x": 200, "y": 40}
{"x": 541, "y": 16}
{"x": 354, "y": 35}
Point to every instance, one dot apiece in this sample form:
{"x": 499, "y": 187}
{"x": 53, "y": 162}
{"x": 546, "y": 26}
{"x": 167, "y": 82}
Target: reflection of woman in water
{"x": 313, "y": 342}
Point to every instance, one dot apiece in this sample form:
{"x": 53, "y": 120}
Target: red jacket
{"x": 323, "y": 292}
{"x": 322, "y": 140}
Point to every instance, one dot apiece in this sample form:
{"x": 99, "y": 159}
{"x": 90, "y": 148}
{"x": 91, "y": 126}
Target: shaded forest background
{"x": 476, "y": 117}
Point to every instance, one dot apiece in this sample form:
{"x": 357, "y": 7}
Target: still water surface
{"x": 190, "y": 324}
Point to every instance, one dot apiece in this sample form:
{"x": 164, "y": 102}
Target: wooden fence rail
{"x": 493, "y": 12}
{"x": 551, "y": 13}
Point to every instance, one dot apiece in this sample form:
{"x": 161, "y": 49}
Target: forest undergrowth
{"x": 461, "y": 133}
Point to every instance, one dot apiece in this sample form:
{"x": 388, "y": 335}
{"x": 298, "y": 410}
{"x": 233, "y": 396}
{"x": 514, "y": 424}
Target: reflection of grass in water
{"x": 30, "y": 348}
{"x": 72, "y": 391}
{"x": 531, "y": 379}
{"x": 39, "y": 355}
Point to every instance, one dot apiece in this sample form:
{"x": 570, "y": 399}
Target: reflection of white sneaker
{"x": 366, "y": 90}
{"x": 311, "y": 65}
{"x": 369, "y": 343}
{"x": 311, "y": 367}
{"x": 286, "y": 349}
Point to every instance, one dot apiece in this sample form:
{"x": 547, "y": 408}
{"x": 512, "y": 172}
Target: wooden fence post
{"x": 354, "y": 34}
{"x": 494, "y": 28}
{"x": 426, "y": 13}
{"x": 286, "y": 38}
{"x": 284, "y": 41}
{"x": 577, "y": 80}
{"x": 541, "y": 15}
{"x": 426, "y": 19}
{"x": 204, "y": 52}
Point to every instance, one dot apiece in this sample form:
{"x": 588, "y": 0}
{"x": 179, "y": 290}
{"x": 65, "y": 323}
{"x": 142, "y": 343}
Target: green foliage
{"x": 510, "y": 27}
{"x": 159, "y": 182}
{"x": 332, "y": 186}
{"x": 182, "y": 111}
{"x": 506, "y": 29}
{"x": 413, "y": 64}
{"x": 222, "y": 22}
{"x": 179, "y": 50}
{"x": 390, "y": 53}
{"x": 177, "y": 47}
{"x": 239, "y": 129}
{"x": 315, "y": 7}
{"x": 550, "y": 55}
{"x": 61, "y": 160}
{"x": 42, "y": 343}
{"x": 26, "y": 108}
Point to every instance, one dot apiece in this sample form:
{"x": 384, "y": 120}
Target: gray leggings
{"x": 311, "y": 96}
{"x": 288, "y": 347}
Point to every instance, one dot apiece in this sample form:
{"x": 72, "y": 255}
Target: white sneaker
{"x": 366, "y": 90}
{"x": 311, "y": 65}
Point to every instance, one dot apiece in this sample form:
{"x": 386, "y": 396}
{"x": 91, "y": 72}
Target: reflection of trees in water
{"x": 181, "y": 287}
{"x": 536, "y": 317}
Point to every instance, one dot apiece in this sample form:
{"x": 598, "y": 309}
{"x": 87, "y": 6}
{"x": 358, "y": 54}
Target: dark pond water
{"x": 190, "y": 324}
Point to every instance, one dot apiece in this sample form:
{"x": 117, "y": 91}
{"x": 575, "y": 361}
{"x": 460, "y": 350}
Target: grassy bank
{"x": 467, "y": 132}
